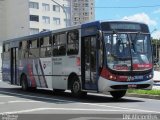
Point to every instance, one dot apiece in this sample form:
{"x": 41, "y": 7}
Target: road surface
{"x": 44, "y": 104}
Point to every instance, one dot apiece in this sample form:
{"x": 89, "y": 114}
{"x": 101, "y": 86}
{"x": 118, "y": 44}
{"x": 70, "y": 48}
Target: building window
{"x": 86, "y": 5}
{"x": 34, "y": 18}
{"x": 86, "y": 13}
{"x": 56, "y": 21}
{"x": 34, "y": 31}
{"x": 46, "y": 20}
{"x": 56, "y": 8}
{"x": 33, "y": 5}
{"x": 46, "y": 7}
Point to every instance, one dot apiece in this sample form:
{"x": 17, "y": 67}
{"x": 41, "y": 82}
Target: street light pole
{"x": 156, "y": 50}
{"x": 63, "y": 10}
{"x": 156, "y": 41}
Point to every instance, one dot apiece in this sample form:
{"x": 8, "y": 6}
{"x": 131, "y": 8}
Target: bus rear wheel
{"x": 24, "y": 83}
{"x": 76, "y": 88}
{"x": 118, "y": 94}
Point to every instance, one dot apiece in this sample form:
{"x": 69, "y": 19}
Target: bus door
{"x": 89, "y": 63}
{"x": 14, "y": 63}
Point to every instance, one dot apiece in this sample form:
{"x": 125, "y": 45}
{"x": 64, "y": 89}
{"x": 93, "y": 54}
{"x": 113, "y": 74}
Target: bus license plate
{"x": 132, "y": 86}
{"x": 138, "y": 77}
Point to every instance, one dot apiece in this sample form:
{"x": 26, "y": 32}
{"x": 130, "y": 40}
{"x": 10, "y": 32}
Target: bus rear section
{"x": 9, "y": 64}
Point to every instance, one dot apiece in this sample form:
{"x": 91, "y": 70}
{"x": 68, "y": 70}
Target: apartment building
{"x": 23, "y": 17}
{"x": 82, "y": 11}
{"x": 49, "y": 15}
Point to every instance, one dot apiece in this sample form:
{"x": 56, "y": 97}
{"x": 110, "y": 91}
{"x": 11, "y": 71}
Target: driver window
{"x": 122, "y": 47}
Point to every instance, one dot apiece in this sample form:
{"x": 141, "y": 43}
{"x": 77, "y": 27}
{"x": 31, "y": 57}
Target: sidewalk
{"x": 156, "y": 77}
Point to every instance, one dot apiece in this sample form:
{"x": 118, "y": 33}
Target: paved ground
{"x": 43, "y": 103}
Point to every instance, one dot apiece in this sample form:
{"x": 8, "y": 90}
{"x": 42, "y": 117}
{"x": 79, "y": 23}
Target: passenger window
{"x": 23, "y": 46}
{"x": 45, "y": 44}
{"x": 33, "y": 48}
{"x": 73, "y": 42}
{"x": 59, "y": 44}
{"x": 6, "y": 52}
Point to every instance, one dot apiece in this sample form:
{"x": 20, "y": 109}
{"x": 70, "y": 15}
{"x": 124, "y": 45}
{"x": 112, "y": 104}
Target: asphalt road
{"x": 44, "y": 104}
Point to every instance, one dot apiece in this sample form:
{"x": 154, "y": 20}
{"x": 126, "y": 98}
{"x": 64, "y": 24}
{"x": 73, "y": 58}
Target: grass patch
{"x": 149, "y": 92}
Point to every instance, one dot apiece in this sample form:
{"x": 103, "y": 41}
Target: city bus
{"x": 100, "y": 56}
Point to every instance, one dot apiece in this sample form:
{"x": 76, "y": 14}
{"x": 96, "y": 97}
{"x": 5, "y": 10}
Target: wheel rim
{"x": 76, "y": 87}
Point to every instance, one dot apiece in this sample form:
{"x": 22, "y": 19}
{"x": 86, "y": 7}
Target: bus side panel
{"x": 26, "y": 67}
{"x": 6, "y": 72}
{"x": 38, "y": 72}
{"x": 35, "y": 72}
{"x": 45, "y": 72}
{"x": 59, "y": 74}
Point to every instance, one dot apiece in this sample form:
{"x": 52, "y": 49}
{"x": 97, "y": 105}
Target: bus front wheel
{"x": 118, "y": 94}
{"x": 24, "y": 83}
{"x": 76, "y": 88}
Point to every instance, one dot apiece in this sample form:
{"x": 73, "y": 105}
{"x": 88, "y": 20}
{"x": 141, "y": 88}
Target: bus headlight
{"x": 149, "y": 76}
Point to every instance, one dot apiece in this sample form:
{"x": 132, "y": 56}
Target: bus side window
{"x": 59, "y": 44}
{"x": 33, "y": 48}
{"x": 3, "y": 48}
{"x": 24, "y": 49}
{"x": 55, "y": 45}
{"x": 6, "y": 52}
{"x": 72, "y": 42}
{"x": 20, "y": 50}
{"x": 45, "y": 46}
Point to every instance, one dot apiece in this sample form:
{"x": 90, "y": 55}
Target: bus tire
{"x": 24, "y": 83}
{"x": 118, "y": 94}
{"x": 76, "y": 88}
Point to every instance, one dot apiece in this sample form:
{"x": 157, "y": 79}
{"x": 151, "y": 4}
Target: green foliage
{"x": 149, "y": 92}
{"x": 154, "y": 41}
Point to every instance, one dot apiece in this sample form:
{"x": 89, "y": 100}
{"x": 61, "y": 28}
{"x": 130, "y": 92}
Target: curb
{"x": 157, "y": 97}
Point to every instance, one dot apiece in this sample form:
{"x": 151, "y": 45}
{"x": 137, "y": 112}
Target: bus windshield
{"x": 128, "y": 51}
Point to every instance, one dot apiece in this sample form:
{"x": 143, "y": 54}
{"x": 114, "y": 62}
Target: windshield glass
{"x": 128, "y": 51}
{"x": 141, "y": 51}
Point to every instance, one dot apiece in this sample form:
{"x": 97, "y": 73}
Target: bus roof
{"x": 41, "y": 34}
{"x": 82, "y": 26}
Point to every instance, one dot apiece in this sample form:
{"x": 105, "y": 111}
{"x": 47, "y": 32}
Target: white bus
{"x": 109, "y": 56}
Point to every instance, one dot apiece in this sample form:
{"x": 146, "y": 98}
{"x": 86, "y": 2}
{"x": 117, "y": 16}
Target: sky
{"x": 147, "y": 11}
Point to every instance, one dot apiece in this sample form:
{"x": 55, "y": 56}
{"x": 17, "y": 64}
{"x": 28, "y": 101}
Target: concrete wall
{"x": 2, "y": 21}
{"x": 17, "y": 18}
{"x": 14, "y": 20}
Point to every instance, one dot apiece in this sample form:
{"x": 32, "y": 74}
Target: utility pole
{"x": 63, "y": 10}
{"x": 156, "y": 41}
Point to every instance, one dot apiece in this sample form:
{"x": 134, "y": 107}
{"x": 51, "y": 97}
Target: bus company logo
{"x": 130, "y": 78}
{"x": 44, "y": 66}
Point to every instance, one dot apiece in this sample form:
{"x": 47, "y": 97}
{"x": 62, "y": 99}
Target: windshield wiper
{"x": 121, "y": 58}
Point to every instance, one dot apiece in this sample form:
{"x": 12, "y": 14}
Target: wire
{"x": 118, "y": 7}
